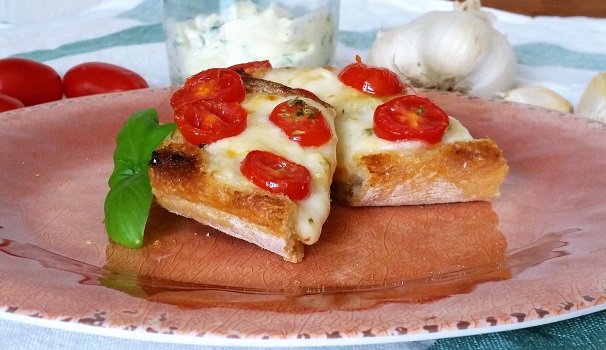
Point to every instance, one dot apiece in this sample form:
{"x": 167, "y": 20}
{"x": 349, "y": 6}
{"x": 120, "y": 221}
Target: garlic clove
{"x": 593, "y": 101}
{"x": 537, "y": 96}
{"x": 467, "y": 5}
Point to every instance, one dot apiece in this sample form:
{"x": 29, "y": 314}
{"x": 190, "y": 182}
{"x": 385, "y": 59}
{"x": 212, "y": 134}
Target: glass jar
{"x": 202, "y": 34}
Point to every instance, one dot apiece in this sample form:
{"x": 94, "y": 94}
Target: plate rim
{"x": 140, "y": 335}
{"x": 222, "y": 340}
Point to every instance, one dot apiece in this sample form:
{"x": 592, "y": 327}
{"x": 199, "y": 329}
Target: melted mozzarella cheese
{"x": 262, "y": 134}
{"x": 355, "y": 111}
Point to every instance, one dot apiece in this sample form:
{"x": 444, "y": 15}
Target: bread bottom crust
{"x": 289, "y": 248}
{"x": 461, "y": 171}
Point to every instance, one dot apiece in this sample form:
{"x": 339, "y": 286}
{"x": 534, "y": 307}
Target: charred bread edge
{"x": 181, "y": 184}
{"x": 461, "y": 171}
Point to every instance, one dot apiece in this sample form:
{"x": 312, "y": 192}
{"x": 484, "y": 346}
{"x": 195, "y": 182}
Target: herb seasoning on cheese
{"x": 246, "y": 32}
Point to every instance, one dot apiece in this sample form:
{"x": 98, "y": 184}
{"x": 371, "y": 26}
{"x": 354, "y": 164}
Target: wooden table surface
{"x": 588, "y": 8}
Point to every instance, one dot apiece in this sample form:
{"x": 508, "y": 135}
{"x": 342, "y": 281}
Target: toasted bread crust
{"x": 461, "y": 171}
{"x": 181, "y": 184}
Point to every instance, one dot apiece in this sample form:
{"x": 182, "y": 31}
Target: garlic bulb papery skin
{"x": 593, "y": 101}
{"x": 448, "y": 50}
{"x": 537, "y": 96}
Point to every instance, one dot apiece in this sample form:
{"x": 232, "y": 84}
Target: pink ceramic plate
{"x": 377, "y": 275}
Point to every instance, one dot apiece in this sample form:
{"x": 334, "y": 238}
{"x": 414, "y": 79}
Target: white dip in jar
{"x": 245, "y": 32}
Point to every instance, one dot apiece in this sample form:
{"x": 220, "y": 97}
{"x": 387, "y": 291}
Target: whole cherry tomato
{"x": 220, "y": 84}
{"x": 277, "y": 174}
{"x": 204, "y": 122}
{"x": 93, "y": 78}
{"x": 301, "y": 122}
{"x": 29, "y": 81}
{"x": 8, "y": 103}
{"x": 410, "y": 117}
{"x": 372, "y": 80}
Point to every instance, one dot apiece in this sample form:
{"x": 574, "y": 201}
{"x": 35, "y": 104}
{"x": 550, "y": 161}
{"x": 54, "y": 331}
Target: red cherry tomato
{"x": 277, "y": 174}
{"x": 410, "y": 117}
{"x": 93, "y": 78}
{"x": 220, "y": 84}
{"x": 204, "y": 122}
{"x": 372, "y": 80}
{"x": 29, "y": 81}
{"x": 252, "y": 67}
{"x": 8, "y": 103}
{"x": 301, "y": 122}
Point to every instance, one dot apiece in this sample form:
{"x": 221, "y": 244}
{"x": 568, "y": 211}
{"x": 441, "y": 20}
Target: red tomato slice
{"x": 204, "y": 122}
{"x": 410, "y": 117}
{"x": 218, "y": 84}
{"x": 8, "y": 103}
{"x": 252, "y": 67}
{"x": 372, "y": 80}
{"x": 301, "y": 122}
{"x": 277, "y": 174}
{"x": 92, "y": 78}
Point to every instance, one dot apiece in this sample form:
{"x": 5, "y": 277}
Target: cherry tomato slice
{"x": 204, "y": 122}
{"x": 301, "y": 122}
{"x": 92, "y": 78}
{"x": 277, "y": 174}
{"x": 410, "y": 117}
{"x": 218, "y": 84}
{"x": 8, "y": 103}
{"x": 252, "y": 67}
{"x": 371, "y": 80}
{"x": 29, "y": 81}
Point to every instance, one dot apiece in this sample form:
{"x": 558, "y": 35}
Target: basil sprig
{"x": 129, "y": 199}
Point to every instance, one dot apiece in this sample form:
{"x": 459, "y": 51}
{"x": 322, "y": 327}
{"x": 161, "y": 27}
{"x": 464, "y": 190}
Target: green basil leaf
{"x": 122, "y": 170}
{"x": 129, "y": 199}
{"x": 127, "y": 208}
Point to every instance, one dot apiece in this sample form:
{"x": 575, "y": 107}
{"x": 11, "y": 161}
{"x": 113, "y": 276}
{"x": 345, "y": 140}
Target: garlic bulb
{"x": 593, "y": 101}
{"x": 449, "y": 50}
{"x": 537, "y": 96}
